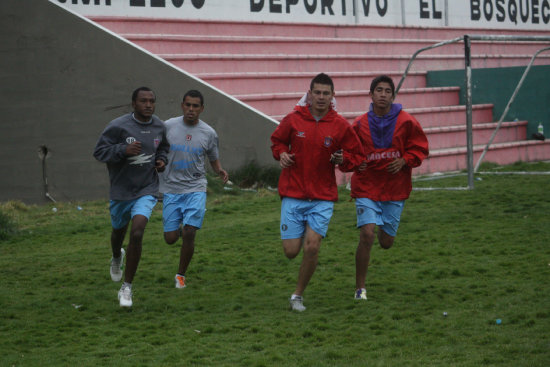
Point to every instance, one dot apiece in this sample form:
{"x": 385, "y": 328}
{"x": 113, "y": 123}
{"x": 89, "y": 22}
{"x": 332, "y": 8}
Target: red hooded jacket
{"x": 312, "y": 143}
{"x": 375, "y": 183}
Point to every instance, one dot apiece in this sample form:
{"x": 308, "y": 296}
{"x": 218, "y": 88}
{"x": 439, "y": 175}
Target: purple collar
{"x": 382, "y": 127}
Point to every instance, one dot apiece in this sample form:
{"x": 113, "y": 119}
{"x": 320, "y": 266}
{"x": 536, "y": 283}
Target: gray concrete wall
{"x": 63, "y": 80}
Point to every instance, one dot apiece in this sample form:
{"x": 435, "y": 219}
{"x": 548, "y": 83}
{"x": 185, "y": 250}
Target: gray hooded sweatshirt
{"x": 132, "y": 177}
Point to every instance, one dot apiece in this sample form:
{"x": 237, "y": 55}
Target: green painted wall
{"x": 496, "y": 86}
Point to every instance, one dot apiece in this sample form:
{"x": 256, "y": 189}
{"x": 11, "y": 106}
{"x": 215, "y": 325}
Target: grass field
{"x": 478, "y": 255}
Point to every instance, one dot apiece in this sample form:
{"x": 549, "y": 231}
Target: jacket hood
{"x": 306, "y": 113}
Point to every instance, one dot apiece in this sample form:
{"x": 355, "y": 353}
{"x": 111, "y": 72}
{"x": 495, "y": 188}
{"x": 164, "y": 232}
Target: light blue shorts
{"x": 188, "y": 209}
{"x": 296, "y": 213}
{"x": 385, "y": 214}
{"x": 124, "y": 210}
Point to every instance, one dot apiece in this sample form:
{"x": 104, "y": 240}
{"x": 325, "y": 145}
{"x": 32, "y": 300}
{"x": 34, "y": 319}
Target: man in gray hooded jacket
{"x": 135, "y": 148}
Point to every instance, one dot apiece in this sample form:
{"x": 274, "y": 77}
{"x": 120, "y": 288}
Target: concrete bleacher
{"x": 269, "y": 66}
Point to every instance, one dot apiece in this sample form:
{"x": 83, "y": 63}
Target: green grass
{"x": 477, "y": 255}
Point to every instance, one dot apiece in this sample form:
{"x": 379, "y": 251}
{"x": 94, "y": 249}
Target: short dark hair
{"x": 136, "y": 92}
{"x": 382, "y": 79}
{"x": 193, "y": 93}
{"x": 322, "y": 78}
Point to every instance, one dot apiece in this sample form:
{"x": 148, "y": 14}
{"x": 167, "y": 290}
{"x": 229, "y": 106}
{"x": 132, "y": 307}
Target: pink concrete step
{"x": 455, "y": 136}
{"x": 224, "y": 44}
{"x": 271, "y": 45}
{"x": 286, "y": 82}
{"x": 353, "y": 100}
{"x": 454, "y": 159}
{"x": 269, "y": 66}
{"x": 438, "y": 116}
{"x": 201, "y": 27}
{"x": 423, "y": 32}
{"x": 451, "y": 115}
{"x": 428, "y": 97}
{"x": 198, "y": 63}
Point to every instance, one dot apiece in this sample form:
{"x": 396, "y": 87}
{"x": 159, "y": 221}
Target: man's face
{"x": 192, "y": 108}
{"x": 321, "y": 96}
{"x": 144, "y": 105}
{"x": 382, "y": 97}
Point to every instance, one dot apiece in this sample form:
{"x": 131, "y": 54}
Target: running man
{"x": 134, "y": 147}
{"x": 308, "y": 143}
{"x": 183, "y": 184}
{"x": 394, "y": 143}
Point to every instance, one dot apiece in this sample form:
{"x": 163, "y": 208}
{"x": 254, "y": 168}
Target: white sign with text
{"x": 497, "y": 14}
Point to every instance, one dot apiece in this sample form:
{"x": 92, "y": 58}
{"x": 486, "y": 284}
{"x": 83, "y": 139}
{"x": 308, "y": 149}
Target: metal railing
{"x": 467, "y": 39}
{"x": 520, "y": 83}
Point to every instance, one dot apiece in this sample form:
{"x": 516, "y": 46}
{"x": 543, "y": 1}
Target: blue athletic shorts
{"x": 385, "y": 214}
{"x": 296, "y": 213}
{"x": 124, "y": 210}
{"x": 188, "y": 209}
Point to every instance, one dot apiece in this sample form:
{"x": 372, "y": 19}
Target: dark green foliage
{"x": 252, "y": 174}
{"x": 7, "y": 226}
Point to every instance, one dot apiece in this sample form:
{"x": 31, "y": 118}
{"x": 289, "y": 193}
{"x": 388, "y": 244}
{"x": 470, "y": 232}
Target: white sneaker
{"x": 180, "y": 281}
{"x": 125, "y": 296}
{"x": 361, "y": 294}
{"x": 117, "y": 265}
{"x": 297, "y": 303}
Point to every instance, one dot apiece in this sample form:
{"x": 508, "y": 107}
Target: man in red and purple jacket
{"x": 308, "y": 143}
{"x": 394, "y": 143}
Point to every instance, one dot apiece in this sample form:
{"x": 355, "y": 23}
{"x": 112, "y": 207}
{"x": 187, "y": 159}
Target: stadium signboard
{"x": 497, "y": 14}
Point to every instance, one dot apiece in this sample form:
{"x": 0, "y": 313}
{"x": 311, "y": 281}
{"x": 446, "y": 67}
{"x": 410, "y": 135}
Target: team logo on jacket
{"x": 130, "y": 140}
{"x": 141, "y": 159}
{"x": 156, "y": 141}
{"x": 328, "y": 141}
{"x": 189, "y": 137}
{"x": 301, "y": 134}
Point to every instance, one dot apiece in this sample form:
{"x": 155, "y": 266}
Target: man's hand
{"x": 286, "y": 160}
{"x": 223, "y": 175}
{"x": 160, "y": 165}
{"x": 396, "y": 165}
{"x": 133, "y": 149}
{"x": 362, "y": 166}
{"x": 337, "y": 157}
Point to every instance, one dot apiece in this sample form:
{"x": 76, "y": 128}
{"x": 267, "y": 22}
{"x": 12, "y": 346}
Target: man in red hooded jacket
{"x": 394, "y": 143}
{"x": 308, "y": 143}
